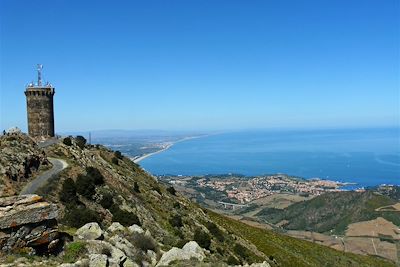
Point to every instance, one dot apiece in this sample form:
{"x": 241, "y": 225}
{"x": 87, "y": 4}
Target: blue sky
{"x": 204, "y": 65}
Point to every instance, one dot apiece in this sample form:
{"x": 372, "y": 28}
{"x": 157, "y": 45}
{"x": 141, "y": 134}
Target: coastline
{"x": 167, "y": 146}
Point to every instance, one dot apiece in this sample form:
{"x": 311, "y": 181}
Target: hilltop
{"x": 110, "y": 192}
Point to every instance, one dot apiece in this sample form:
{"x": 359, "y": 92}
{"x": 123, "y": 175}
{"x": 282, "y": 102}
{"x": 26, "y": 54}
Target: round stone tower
{"x": 39, "y": 99}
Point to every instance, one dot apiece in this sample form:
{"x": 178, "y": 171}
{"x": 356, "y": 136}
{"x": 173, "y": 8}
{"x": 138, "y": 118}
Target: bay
{"x": 367, "y": 157}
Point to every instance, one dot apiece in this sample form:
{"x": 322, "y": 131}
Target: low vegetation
{"x": 288, "y": 251}
{"x": 124, "y": 217}
{"x": 202, "y": 238}
{"x": 332, "y": 212}
{"x": 73, "y": 251}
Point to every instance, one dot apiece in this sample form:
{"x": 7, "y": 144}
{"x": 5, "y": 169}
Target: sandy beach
{"x": 166, "y": 147}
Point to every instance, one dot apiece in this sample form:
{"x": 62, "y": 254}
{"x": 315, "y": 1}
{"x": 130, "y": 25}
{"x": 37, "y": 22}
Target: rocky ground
{"x": 20, "y": 159}
{"x": 29, "y": 226}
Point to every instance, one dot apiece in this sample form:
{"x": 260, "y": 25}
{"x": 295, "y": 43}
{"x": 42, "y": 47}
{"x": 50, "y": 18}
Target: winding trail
{"x": 32, "y": 186}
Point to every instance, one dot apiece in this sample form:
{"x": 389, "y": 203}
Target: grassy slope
{"x": 332, "y": 211}
{"x": 289, "y": 251}
{"x": 155, "y": 217}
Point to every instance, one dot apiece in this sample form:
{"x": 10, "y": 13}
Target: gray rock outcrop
{"x": 98, "y": 260}
{"x": 28, "y": 222}
{"x": 190, "y": 250}
{"x": 20, "y": 158}
{"x": 90, "y": 231}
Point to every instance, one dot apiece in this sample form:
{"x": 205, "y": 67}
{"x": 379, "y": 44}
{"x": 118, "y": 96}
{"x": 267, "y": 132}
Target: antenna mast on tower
{"x": 39, "y": 70}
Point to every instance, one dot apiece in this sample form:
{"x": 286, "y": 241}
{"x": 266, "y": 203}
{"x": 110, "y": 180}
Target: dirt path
{"x": 32, "y": 186}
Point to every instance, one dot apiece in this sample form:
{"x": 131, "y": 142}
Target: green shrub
{"x": 107, "y": 201}
{"x": 95, "y": 175}
{"x": 68, "y": 192}
{"x": 67, "y": 141}
{"x": 143, "y": 242}
{"x": 74, "y": 251}
{"x": 202, "y": 238}
{"x": 124, "y": 217}
{"x": 215, "y": 231}
{"x": 176, "y": 221}
{"x": 242, "y": 252}
{"x": 157, "y": 188}
{"x": 118, "y": 154}
{"x": 80, "y": 141}
{"x": 79, "y": 216}
{"x": 233, "y": 261}
{"x": 136, "y": 187}
{"x": 85, "y": 186}
{"x": 171, "y": 190}
{"x": 115, "y": 161}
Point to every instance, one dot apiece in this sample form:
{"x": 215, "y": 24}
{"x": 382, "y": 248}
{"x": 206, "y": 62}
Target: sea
{"x": 366, "y": 157}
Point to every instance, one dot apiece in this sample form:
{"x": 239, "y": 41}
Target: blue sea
{"x": 367, "y": 157}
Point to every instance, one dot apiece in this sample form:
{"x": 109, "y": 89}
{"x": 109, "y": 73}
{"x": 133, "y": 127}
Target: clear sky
{"x": 204, "y": 64}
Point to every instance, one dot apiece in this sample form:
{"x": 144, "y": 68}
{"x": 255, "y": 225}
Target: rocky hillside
{"x": 103, "y": 186}
{"x": 332, "y": 212}
{"x": 113, "y": 213}
{"x": 20, "y": 159}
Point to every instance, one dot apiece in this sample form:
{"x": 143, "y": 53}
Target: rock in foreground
{"x": 28, "y": 222}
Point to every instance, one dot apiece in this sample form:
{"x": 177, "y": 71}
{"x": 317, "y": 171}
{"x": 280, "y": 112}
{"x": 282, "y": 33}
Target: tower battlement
{"x": 39, "y": 91}
{"x": 40, "y": 109}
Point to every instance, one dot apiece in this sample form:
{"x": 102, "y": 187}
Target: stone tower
{"x": 39, "y": 99}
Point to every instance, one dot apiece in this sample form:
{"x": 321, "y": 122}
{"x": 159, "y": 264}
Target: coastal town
{"x": 244, "y": 190}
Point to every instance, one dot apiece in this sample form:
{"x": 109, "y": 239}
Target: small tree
{"x": 124, "y": 217}
{"x": 118, "y": 154}
{"x": 171, "y": 190}
{"x": 215, "y": 231}
{"x": 176, "y": 221}
{"x": 107, "y": 201}
{"x": 136, "y": 187}
{"x": 77, "y": 217}
{"x": 67, "y": 141}
{"x": 95, "y": 175}
{"x": 115, "y": 161}
{"x": 202, "y": 238}
{"x": 85, "y": 186}
{"x": 68, "y": 191}
{"x": 80, "y": 141}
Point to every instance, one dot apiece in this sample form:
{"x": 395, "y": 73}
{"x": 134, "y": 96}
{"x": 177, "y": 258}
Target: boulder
{"x": 124, "y": 245}
{"x": 116, "y": 256}
{"x": 28, "y": 222}
{"x": 130, "y": 263}
{"x": 116, "y": 227}
{"x": 90, "y": 231}
{"x": 135, "y": 229}
{"x": 98, "y": 260}
{"x": 191, "y": 250}
{"x": 152, "y": 256}
{"x": 26, "y": 209}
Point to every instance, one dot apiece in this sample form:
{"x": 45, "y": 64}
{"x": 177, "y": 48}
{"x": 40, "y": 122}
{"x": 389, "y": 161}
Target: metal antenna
{"x": 39, "y": 70}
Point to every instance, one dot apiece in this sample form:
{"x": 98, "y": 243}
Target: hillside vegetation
{"x": 332, "y": 212}
{"x": 289, "y": 251}
{"x": 103, "y": 186}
